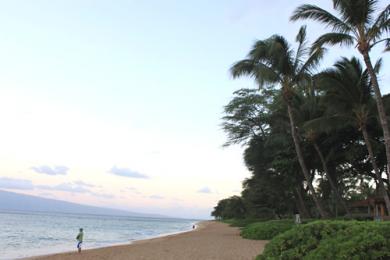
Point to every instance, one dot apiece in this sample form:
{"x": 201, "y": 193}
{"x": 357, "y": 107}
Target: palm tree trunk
{"x": 301, "y": 203}
{"x": 376, "y": 169}
{"x": 330, "y": 179}
{"x": 380, "y": 106}
{"x": 388, "y": 177}
{"x": 305, "y": 172}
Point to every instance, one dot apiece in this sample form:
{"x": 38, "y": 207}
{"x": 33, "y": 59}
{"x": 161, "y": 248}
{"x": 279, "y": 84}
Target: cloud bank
{"x": 205, "y": 190}
{"x": 67, "y": 186}
{"x": 125, "y": 172}
{"x": 16, "y": 184}
{"x": 156, "y": 197}
{"x": 56, "y": 170}
{"x": 71, "y": 187}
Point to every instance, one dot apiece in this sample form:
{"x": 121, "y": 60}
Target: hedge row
{"x": 331, "y": 240}
{"x": 242, "y": 222}
{"x": 266, "y": 230}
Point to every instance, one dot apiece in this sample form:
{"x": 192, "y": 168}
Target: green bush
{"x": 332, "y": 240}
{"x": 242, "y": 222}
{"x": 266, "y": 230}
{"x": 355, "y": 217}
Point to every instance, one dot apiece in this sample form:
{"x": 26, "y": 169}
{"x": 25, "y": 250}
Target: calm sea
{"x": 31, "y": 234}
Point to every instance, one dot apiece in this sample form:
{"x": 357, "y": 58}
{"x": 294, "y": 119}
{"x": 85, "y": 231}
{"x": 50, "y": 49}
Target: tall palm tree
{"x": 348, "y": 97}
{"x": 355, "y": 24}
{"x": 273, "y": 62}
{"x": 310, "y": 110}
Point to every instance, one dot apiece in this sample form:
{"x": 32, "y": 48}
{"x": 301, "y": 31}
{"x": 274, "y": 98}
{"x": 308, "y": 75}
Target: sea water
{"x": 31, "y": 234}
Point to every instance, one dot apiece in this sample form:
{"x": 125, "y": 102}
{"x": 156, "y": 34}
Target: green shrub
{"x": 332, "y": 240}
{"x": 355, "y": 217}
{"x": 266, "y": 230}
{"x": 242, "y": 222}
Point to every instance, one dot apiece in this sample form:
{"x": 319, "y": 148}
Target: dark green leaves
{"x": 318, "y": 14}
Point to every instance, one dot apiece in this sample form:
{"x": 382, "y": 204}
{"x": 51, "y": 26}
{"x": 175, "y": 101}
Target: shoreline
{"x": 133, "y": 242}
{"x": 210, "y": 240}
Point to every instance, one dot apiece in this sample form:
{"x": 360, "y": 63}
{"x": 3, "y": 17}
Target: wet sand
{"x": 211, "y": 240}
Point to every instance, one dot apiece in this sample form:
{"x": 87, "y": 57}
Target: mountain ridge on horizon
{"x": 12, "y": 201}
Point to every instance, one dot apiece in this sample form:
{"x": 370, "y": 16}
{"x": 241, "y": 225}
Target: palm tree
{"x": 310, "y": 110}
{"x": 356, "y": 25}
{"x": 348, "y": 98}
{"x": 272, "y": 62}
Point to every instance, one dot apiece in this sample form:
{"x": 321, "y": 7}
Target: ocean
{"x": 32, "y": 234}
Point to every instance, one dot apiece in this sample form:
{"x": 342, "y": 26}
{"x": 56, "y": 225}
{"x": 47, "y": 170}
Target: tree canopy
{"x": 315, "y": 141}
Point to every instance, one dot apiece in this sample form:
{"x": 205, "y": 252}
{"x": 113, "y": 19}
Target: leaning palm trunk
{"x": 330, "y": 179}
{"x": 382, "y": 188}
{"x": 380, "y": 106}
{"x": 306, "y": 174}
{"x": 356, "y": 23}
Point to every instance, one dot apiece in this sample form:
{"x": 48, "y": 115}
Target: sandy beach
{"x": 211, "y": 240}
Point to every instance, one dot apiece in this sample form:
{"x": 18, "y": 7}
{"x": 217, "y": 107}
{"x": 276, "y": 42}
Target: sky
{"x": 119, "y": 103}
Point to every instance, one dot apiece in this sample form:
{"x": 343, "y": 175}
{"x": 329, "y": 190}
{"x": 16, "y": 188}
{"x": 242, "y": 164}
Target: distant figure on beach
{"x": 297, "y": 217}
{"x": 79, "y": 238}
{"x": 193, "y": 226}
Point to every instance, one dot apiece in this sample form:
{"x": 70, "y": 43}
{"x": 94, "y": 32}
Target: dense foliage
{"x": 242, "y": 222}
{"x": 266, "y": 230}
{"x": 331, "y": 240}
{"x": 316, "y": 139}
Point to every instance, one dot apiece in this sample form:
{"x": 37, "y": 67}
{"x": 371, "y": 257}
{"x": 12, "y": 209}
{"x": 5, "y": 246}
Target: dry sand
{"x": 211, "y": 240}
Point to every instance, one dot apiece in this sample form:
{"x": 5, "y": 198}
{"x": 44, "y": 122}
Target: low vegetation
{"x": 331, "y": 240}
{"x": 243, "y": 222}
{"x": 266, "y": 230}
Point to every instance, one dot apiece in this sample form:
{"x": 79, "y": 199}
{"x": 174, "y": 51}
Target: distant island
{"x": 11, "y": 201}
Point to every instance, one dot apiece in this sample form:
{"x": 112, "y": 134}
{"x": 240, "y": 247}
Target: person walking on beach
{"x": 297, "y": 217}
{"x": 79, "y": 238}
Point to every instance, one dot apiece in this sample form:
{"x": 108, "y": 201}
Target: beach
{"x": 210, "y": 240}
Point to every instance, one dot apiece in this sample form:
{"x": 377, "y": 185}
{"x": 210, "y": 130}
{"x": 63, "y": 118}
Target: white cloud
{"x": 205, "y": 190}
{"x": 76, "y": 187}
{"x": 125, "y": 172}
{"x": 68, "y": 187}
{"x": 156, "y": 197}
{"x": 17, "y": 184}
{"x": 102, "y": 195}
{"x": 81, "y": 183}
{"x": 56, "y": 170}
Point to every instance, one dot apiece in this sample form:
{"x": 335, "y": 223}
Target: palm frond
{"x": 327, "y": 123}
{"x": 261, "y": 72}
{"x": 302, "y": 49}
{"x": 266, "y": 61}
{"x": 280, "y": 55}
{"x": 347, "y": 90}
{"x": 378, "y": 65}
{"x": 259, "y": 50}
{"x": 316, "y": 13}
{"x": 333, "y": 39}
{"x": 242, "y": 68}
{"x": 381, "y": 25}
{"x": 356, "y": 12}
{"x": 387, "y": 45}
{"x": 336, "y": 3}
{"x": 301, "y": 36}
{"x": 312, "y": 61}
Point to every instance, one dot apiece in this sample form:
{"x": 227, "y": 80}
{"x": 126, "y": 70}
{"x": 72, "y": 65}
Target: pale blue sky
{"x": 139, "y": 85}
